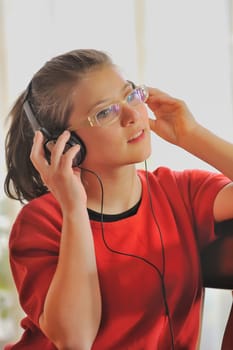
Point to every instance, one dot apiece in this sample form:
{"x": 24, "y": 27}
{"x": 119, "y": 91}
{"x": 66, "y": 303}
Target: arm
{"x": 217, "y": 269}
{"x": 72, "y": 307}
{"x": 216, "y": 258}
{"x": 175, "y": 123}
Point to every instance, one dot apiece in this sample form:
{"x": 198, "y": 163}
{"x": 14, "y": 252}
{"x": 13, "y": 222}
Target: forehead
{"x": 101, "y": 81}
{"x": 97, "y": 85}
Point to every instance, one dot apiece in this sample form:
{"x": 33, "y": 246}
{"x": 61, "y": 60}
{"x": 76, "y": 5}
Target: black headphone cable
{"x": 161, "y": 274}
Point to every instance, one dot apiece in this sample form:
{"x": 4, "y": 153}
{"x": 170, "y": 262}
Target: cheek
{"x": 98, "y": 144}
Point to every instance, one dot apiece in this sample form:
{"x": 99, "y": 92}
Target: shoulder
{"x": 188, "y": 184}
{"x": 162, "y": 174}
{"x": 36, "y": 218}
{"x": 165, "y": 175}
{"x": 45, "y": 205}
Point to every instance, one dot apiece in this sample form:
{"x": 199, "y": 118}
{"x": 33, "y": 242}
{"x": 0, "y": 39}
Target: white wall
{"x": 179, "y": 46}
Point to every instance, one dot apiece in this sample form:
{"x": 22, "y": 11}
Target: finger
{"x": 37, "y": 155}
{"x": 68, "y": 157}
{"x": 159, "y": 97}
{"x": 162, "y": 129}
{"x": 153, "y": 125}
{"x": 58, "y": 148}
{"x": 154, "y": 92}
{"x": 163, "y": 105}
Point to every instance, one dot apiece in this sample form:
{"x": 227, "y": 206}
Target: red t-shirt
{"x": 133, "y": 311}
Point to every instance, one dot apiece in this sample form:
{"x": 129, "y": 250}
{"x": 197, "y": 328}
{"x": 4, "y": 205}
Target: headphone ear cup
{"x": 80, "y": 156}
{"x": 73, "y": 140}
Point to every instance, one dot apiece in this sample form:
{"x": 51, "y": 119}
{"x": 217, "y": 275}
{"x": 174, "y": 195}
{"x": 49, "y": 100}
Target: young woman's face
{"x": 126, "y": 139}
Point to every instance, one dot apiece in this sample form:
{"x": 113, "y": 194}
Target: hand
{"x": 173, "y": 119}
{"x": 59, "y": 176}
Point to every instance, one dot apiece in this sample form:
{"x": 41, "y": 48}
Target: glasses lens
{"x": 111, "y": 113}
{"x": 138, "y": 95}
{"x": 108, "y": 115}
{"x": 143, "y": 92}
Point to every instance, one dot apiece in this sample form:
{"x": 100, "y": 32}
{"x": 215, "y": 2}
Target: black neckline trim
{"x": 95, "y": 216}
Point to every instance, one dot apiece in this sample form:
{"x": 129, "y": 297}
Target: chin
{"x": 146, "y": 154}
{"x": 141, "y": 158}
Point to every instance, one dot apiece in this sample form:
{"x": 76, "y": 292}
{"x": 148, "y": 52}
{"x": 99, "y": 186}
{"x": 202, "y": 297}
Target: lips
{"x": 136, "y": 136}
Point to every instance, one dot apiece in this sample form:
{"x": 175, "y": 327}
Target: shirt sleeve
{"x": 34, "y": 248}
{"x": 199, "y": 189}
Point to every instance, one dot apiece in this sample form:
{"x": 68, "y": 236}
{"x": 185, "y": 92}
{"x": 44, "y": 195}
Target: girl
{"x": 105, "y": 256}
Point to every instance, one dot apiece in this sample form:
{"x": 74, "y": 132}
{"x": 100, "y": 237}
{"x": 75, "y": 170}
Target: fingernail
{"x": 66, "y": 132}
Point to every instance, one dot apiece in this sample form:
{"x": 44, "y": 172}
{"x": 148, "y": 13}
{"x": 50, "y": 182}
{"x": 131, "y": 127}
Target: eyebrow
{"x": 105, "y": 100}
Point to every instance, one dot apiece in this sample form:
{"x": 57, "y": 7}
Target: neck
{"x": 121, "y": 189}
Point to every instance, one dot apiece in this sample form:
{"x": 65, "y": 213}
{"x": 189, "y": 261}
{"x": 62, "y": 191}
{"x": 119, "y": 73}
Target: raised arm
{"x": 175, "y": 123}
{"x": 72, "y": 308}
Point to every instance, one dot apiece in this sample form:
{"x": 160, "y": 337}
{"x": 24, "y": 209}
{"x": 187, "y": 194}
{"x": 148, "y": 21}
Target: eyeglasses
{"x": 111, "y": 113}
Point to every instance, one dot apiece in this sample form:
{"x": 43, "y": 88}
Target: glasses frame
{"x": 93, "y": 121}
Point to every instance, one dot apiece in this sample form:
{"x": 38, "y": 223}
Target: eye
{"x": 104, "y": 113}
{"x": 108, "y": 113}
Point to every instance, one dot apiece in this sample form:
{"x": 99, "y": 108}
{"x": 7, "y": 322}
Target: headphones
{"x": 50, "y": 139}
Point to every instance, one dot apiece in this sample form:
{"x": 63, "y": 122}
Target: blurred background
{"x": 184, "y": 47}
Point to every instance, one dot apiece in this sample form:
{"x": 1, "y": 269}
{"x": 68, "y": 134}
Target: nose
{"x": 129, "y": 114}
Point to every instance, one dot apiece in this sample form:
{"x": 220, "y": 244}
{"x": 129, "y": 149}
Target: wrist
{"x": 191, "y": 136}
{"x": 74, "y": 211}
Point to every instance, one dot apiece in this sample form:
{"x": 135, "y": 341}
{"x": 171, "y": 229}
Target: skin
{"x": 72, "y": 310}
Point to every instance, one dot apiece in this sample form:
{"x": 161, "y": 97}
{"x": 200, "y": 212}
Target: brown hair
{"x": 50, "y": 96}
